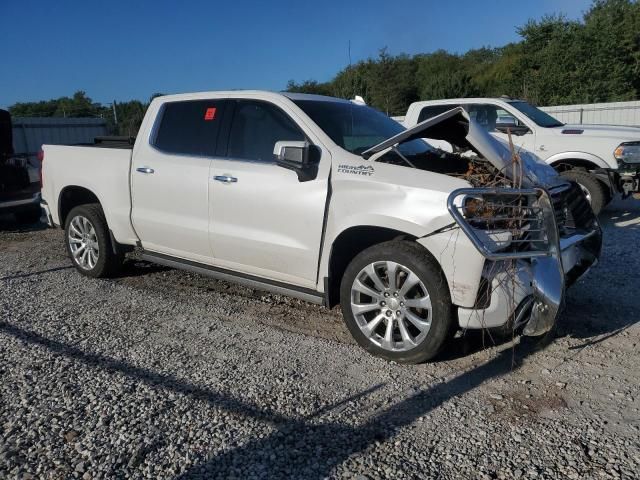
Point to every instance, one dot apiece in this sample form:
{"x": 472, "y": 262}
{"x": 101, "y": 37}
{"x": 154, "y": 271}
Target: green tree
{"x": 557, "y": 61}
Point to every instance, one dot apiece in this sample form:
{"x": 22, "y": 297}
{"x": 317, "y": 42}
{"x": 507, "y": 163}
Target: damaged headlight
{"x": 504, "y": 222}
{"x": 497, "y": 212}
{"x": 628, "y": 152}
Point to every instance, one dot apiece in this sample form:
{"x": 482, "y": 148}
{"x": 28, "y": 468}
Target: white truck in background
{"x": 603, "y": 159}
{"x": 332, "y": 202}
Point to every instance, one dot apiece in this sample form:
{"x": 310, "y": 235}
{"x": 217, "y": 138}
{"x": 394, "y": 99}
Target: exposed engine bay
{"x": 476, "y": 156}
{"x": 467, "y": 165}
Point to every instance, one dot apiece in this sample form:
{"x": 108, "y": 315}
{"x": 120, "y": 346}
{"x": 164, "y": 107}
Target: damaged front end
{"x": 535, "y": 242}
{"x": 536, "y": 232}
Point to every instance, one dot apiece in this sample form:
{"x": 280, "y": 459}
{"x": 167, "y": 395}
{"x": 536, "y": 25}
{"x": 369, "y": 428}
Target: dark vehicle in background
{"x": 19, "y": 179}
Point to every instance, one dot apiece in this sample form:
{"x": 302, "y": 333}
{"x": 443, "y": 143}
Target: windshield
{"x": 541, "y": 118}
{"x": 357, "y": 128}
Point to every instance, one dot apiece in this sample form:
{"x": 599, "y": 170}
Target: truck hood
{"x": 456, "y": 127}
{"x": 622, "y": 133}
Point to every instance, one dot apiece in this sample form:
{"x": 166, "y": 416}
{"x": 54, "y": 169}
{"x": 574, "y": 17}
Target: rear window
{"x": 189, "y": 128}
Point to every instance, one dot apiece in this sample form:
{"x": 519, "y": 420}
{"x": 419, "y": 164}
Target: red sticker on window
{"x": 210, "y": 114}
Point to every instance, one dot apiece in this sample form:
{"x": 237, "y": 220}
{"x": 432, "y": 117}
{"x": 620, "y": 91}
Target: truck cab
{"x": 603, "y": 159}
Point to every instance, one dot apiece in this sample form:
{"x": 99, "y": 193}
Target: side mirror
{"x": 301, "y": 157}
{"x": 517, "y": 130}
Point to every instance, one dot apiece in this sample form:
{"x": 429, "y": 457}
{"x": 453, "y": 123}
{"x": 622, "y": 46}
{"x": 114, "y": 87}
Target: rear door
{"x": 170, "y": 180}
{"x": 264, "y": 220}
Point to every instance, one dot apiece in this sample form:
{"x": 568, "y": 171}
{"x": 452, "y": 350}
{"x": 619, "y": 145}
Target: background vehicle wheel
{"x": 88, "y": 242}
{"x": 29, "y": 216}
{"x": 396, "y": 303}
{"x": 593, "y": 189}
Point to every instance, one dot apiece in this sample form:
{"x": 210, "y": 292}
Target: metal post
{"x": 581, "y": 112}
{"x": 115, "y": 114}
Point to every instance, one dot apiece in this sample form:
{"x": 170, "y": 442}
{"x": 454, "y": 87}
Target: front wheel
{"x": 88, "y": 242}
{"x": 396, "y": 303}
{"x": 592, "y": 188}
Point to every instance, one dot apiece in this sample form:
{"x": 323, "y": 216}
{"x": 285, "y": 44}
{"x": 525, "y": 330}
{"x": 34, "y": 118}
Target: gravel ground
{"x": 166, "y": 374}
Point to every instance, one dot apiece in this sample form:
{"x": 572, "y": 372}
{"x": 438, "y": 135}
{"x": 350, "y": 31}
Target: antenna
{"x": 352, "y": 73}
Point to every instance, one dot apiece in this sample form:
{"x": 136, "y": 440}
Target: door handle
{"x": 225, "y": 179}
{"x": 145, "y": 170}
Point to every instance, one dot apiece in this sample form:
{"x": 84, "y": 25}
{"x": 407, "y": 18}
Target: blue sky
{"x": 130, "y": 49}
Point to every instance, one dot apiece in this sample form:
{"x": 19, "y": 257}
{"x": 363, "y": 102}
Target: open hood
{"x": 456, "y": 127}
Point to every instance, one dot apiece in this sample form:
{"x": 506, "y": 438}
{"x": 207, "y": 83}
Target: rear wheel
{"x": 396, "y": 303}
{"x": 593, "y": 189}
{"x": 88, "y": 242}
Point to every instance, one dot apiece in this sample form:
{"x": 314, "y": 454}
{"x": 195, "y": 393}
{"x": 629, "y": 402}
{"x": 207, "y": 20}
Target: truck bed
{"x": 123, "y": 143}
{"x": 104, "y": 171}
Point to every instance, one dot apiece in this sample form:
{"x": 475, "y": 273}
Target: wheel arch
{"x": 349, "y": 243}
{"x": 568, "y": 160}
{"x": 72, "y": 196}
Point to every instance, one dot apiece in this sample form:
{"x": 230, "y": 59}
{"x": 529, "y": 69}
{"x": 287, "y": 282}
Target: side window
{"x": 256, "y": 128}
{"x": 189, "y": 128}
{"x": 490, "y": 116}
{"x": 430, "y": 112}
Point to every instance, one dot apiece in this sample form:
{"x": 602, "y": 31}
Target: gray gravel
{"x": 165, "y": 374}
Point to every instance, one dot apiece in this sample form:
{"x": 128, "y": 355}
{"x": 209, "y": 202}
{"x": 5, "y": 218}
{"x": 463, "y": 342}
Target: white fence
{"x": 614, "y": 113}
{"x": 29, "y": 133}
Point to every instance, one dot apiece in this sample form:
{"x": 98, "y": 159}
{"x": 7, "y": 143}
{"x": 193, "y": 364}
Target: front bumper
{"x": 529, "y": 290}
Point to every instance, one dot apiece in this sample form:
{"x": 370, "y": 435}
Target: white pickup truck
{"x": 602, "y": 159}
{"x": 332, "y": 202}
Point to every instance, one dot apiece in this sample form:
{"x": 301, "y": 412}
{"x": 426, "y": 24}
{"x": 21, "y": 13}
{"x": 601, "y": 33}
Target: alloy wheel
{"x": 83, "y": 242}
{"x": 391, "y": 306}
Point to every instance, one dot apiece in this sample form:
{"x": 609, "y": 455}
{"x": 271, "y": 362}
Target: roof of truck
{"x": 248, "y": 93}
{"x": 469, "y": 100}
{"x": 310, "y": 96}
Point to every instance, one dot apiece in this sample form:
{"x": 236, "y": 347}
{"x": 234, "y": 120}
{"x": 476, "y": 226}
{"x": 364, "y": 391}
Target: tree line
{"x": 557, "y": 62}
{"x": 122, "y": 118}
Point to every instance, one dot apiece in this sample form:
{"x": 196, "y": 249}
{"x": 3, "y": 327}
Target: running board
{"x": 250, "y": 281}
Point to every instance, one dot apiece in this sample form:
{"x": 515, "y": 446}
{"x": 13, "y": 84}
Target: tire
{"x": 412, "y": 263}
{"x": 29, "y": 216}
{"x": 86, "y": 225}
{"x": 595, "y": 191}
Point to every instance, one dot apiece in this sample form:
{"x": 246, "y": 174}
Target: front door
{"x": 170, "y": 180}
{"x": 490, "y": 116}
{"x": 264, "y": 220}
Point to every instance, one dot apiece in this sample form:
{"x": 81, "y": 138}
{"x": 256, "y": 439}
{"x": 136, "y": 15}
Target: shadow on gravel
{"x": 33, "y": 274}
{"x": 8, "y": 224}
{"x": 136, "y": 268}
{"x": 143, "y": 375}
{"x": 333, "y": 443}
{"x": 624, "y": 212}
{"x": 470, "y": 342}
{"x": 600, "y": 304}
{"x": 281, "y": 453}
